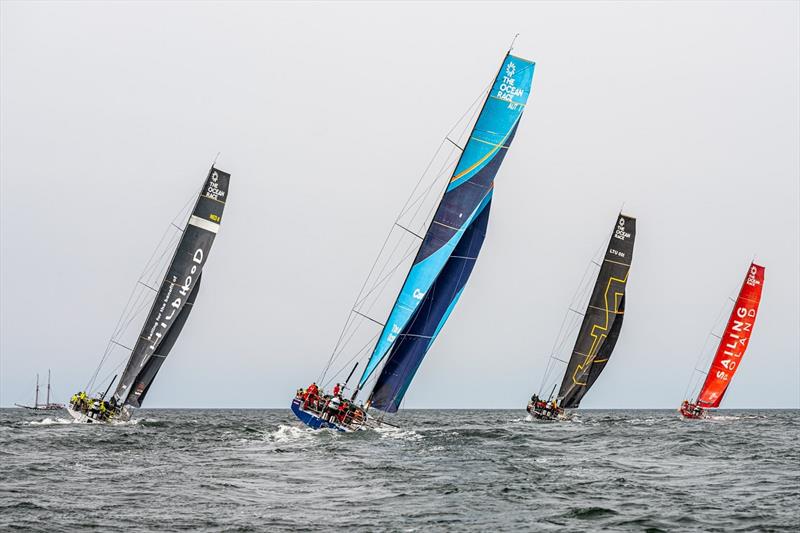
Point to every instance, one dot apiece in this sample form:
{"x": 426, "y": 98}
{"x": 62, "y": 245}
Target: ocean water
{"x": 260, "y": 470}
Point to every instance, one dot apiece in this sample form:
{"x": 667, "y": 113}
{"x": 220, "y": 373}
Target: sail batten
{"x": 176, "y": 293}
{"x": 602, "y": 321}
{"x": 462, "y": 214}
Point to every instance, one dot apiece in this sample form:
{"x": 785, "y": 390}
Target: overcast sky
{"x": 326, "y": 114}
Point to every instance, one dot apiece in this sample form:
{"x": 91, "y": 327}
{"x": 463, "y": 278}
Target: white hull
{"x": 124, "y": 416}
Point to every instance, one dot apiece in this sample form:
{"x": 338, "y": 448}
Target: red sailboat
{"x": 731, "y": 348}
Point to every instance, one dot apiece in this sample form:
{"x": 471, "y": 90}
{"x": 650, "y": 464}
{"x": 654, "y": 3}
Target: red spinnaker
{"x": 735, "y": 339}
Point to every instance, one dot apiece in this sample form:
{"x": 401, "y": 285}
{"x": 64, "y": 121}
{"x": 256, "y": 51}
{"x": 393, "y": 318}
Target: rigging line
{"x": 344, "y": 344}
{"x": 449, "y": 160}
{"x": 444, "y": 171}
{"x": 341, "y": 335}
{"x": 148, "y": 286}
{"x": 347, "y": 363}
{"x": 559, "y": 340}
{"x": 148, "y": 266}
{"x": 418, "y": 236}
{"x": 454, "y": 143}
{"x": 472, "y": 111}
{"x": 382, "y": 288}
{"x": 702, "y": 353}
{"x": 388, "y": 275}
{"x": 368, "y": 318}
{"x": 122, "y": 345}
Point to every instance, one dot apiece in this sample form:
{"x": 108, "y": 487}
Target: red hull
{"x": 691, "y": 411}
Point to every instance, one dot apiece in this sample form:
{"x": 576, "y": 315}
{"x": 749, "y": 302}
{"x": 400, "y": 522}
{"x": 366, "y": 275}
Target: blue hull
{"x": 312, "y": 420}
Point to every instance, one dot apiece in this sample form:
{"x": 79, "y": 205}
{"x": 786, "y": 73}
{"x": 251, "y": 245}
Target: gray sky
{"x": 326, "y": 114}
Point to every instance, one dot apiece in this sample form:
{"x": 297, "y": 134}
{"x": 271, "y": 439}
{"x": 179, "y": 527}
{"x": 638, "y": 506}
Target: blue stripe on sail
{"x": 419, "y": 281}
{"x": 408, "y": 352}
{"x": 493, "y": 132}
{"x": 445, "y": 317}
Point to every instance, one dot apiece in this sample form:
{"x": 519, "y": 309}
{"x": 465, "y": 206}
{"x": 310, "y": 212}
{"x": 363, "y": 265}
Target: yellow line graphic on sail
{"x": 599, "y": 332}
{"x": 491, "y": 152}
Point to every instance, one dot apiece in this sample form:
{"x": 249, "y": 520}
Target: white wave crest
{"x": 286, "y": 433}
{"x": 51, "y": 421}
{"x": 388, "y": 432}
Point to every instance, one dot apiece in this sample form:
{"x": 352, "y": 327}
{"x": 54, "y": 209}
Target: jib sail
{"x": 602, "y": 321}
{"x": 426, "y": 296}
{"x": 735, "y": 339}
{"x": 177, "y": 292}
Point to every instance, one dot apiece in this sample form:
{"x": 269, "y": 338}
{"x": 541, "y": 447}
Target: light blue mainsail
{"x": 469, "y": 190}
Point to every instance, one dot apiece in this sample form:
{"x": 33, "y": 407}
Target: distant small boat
{"x": 47, "y": 405}
{"x": 444, "y": 260}
{"x": 599, "y": 330}
{"x": 731, "y": 347}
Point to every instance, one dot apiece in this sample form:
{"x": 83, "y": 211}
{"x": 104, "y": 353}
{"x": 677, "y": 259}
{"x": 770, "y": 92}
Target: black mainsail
{"x": 602, "y": 320}
{"x": 176, "y": 294}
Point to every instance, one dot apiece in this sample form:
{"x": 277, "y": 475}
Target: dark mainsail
{"x": 602, "y": 321}
{"x": 177, "y": 292}
{"x": 412, "y": 344}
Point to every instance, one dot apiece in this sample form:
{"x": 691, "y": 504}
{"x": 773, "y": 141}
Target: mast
{"x": 48, "y": 387}
{"x": 36, "y": 401}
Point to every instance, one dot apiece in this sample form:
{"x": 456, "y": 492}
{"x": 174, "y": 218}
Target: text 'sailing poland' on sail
{"x": 735, "y": 339}
{"x": 602, "y": 321}
{"x": 177, "y": 292}
{"x": 450, "y": 247}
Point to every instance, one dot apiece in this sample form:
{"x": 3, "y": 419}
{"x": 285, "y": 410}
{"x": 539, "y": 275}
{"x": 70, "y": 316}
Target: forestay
{"x": 177, "y": 292}
{"x": 451, "y": 244}
{"x": 602, "y": 321}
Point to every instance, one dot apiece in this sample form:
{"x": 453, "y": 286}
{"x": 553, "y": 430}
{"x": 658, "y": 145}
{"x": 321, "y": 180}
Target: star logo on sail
{"x": 511, "y": 69}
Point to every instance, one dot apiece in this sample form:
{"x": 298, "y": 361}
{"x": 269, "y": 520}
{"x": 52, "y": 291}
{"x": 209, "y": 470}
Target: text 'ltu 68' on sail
{"x": 731, "y": 347}
{"x": 598, "y": 333}
{"x": 172, "y": 301}
{"x": 443, "y": 261}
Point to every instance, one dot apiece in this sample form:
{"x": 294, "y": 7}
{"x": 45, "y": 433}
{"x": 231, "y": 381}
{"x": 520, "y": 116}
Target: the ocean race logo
{"x": 213, "y": 191}
{"x": 752, "y": 276}
{"x": 619, "y": 232}
{"x": 508, "y": 89}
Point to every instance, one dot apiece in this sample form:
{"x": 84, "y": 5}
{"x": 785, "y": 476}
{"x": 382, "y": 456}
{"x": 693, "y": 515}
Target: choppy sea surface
{"x": 260, "y": 470}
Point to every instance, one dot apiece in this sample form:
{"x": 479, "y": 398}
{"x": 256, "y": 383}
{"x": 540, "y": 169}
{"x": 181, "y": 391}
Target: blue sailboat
{"x": 439, "y": 272}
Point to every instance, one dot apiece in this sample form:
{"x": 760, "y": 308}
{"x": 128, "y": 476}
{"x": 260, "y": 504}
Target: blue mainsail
{"x": 462, "y": 211}
{"x": 413, "y": 343}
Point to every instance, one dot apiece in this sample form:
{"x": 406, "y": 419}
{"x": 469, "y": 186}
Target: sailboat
{"x": 173, "y": 301}
{"x": 442, "y": 264}
{"x": 47, "y": 405}
{"x": 731, "y": 347}
{"x": 599, "y": 329}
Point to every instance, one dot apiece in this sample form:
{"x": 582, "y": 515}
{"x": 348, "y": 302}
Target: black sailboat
{"x": 598, "y": 333}
{"x": 47, "y": 405}
{"x": 174, "y": 298}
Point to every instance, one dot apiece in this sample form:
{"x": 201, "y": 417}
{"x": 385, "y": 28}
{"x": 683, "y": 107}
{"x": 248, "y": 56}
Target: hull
{"x": 42, "y": 408}
{"x": 545, "y": 414}
{"x": 315, "y": 421}
{"x": 82, "y": 418}
{"x": 692, "y": 412}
